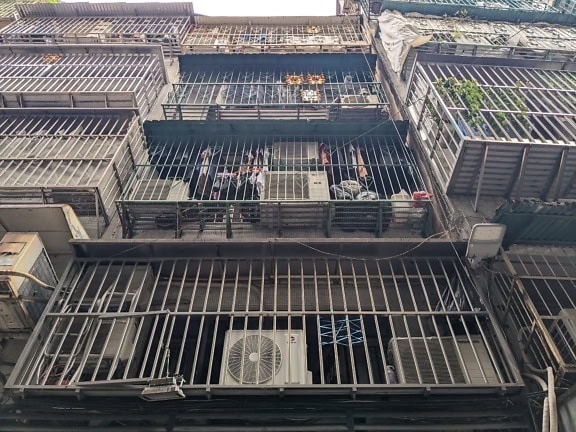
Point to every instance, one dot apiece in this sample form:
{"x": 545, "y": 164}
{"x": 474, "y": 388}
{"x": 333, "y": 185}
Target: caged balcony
{"x": 8, "y": 7}
{"x": 277, "y": 87}
{"x": 452, "y": 36}
{"x": 496, "y": 130}
{"x": 566, "y": 6}
{"x": 268, "y": 186}
{"x": 491, "y": 10}
{"x": 535, "y": 296}
{"x": 43, "y": 76}
{"x": 276, "y": 35}
{"x": 79, "y": 159}
{"x": 164, "y": 24}
{"x": 299, "y": 324}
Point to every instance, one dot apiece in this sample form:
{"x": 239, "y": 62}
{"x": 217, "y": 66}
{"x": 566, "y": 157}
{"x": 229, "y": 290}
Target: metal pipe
{"x": 546, "y": 415}
{"x": 546, "y": 406}
{"x": 552, "y": 401}
{"x": 27, "y": 276}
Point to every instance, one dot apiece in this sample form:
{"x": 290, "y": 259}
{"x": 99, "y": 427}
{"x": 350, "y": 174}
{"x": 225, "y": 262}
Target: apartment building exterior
{"x": 270, "y": 206}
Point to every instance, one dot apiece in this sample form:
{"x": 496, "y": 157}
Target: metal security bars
{"x": 231, "y": 325}
{"x": 8, "y": 7}
{"x": 288, "y": 34}
{"x": 535, "y": 294}
{"x": 528, "y": 5}
{"x": 497, "y": 131}
{"x": 492, "y": 39}
{"x": 568, "y": 6}
{"x": 111, "y": 9}
{"x": 492, "y": 10}
{"x": 81, "y": 160}
{"x": 165, "y": 31}
{"x": 275, "y": 185}
{"x": 100, "y": 73}
{"x": 257, "y": 94}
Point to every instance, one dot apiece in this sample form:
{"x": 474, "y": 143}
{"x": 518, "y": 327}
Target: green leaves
{"x": 468, "y": 91}
{"x": 468, "y": 94}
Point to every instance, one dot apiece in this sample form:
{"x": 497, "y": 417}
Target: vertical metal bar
{"x": 481, "y": 177}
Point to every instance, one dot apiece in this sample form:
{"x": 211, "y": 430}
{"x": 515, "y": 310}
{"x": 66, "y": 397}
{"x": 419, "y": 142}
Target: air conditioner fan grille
{"x": 254, "y": 359}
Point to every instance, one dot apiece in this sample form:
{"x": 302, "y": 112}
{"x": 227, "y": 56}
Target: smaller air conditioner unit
{"x": 121, "y": 341}
{"x": 264, "y": 357}
{"x": 295, "y": 156}
{"x": 358, "y": 99}
{"x": 108, "y": 345}
{"x": 453, "y": 361}
{"x": 294, "y": 199}
{"x": 159, "y": 190}
{"x": 22, "y": 300}
{"x": 563, "y": 333}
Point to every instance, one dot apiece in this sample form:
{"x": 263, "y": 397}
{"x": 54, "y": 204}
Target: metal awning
{"x": 536, "y": 222}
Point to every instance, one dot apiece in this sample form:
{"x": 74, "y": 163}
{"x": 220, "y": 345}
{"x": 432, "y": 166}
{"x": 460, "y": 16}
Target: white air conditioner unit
{"x": 120, "y": 342}
{"x": 159, "y": 190}
{"x": 563, "y": 333}
{"x": 295, "y": 156}
{"x": 451, "y": 361}
{"x": 109, "y": 339}
{"x": 22, "y": 300}
{"x": 294, "y": 199}
{"x": 358, "y": 99}
{"x": 266, "y": 357}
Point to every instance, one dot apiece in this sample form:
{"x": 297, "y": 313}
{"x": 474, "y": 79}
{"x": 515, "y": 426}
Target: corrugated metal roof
{"x": 536, "y": 222}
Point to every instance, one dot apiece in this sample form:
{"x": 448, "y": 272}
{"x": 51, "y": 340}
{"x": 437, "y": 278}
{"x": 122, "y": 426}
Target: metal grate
{"x": 529, "y": 5}
{"x": 121, "y": 321}
{"x": 535, "y": 294}
{"x": 492, "y": 10}
{"x": 110, "y": 9}
{"x": 31, "y": 70}
{"x": 233, "y": 184}
{"x": 81, "y": 160}
{"x": 8, "y": 7}
{"x": 568, "y": 6}
{"x": 165, "y": 31}
{"x": 285, "y": 87}
{"x": 453, "y": 36}
{"x": 272, "y": 35}
{"x": 515, "y": 145}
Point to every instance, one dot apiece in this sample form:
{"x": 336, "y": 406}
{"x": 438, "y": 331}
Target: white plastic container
{"x": 402, "y": 209}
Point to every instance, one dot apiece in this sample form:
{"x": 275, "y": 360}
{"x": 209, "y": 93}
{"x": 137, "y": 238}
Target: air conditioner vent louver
{"x": 295, "y": 155}
{"x": 254, "y": 359}
{"x": 420, "y": 361}
{"x": 445, "y": 360}
{"x": 296, "y": 186}
{"x": 294, "y": 199}
{"x": 159, "y": 190}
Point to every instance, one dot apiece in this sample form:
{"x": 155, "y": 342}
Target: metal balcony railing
{"x": 497, "y": 130}
{"x": 33, "y": 70}
{"x": 474, "y": 38}
{"x": 492, "y": 10}
{"x": 268, "y": 35}
{"x": 230, "y": 325}
{"x": 165, "y": 31}
{"x": 275, "y": 185}
{"x": 81, "y": 160}
{"x": 535, "y": 296}
{"x": 314, "y": 94}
